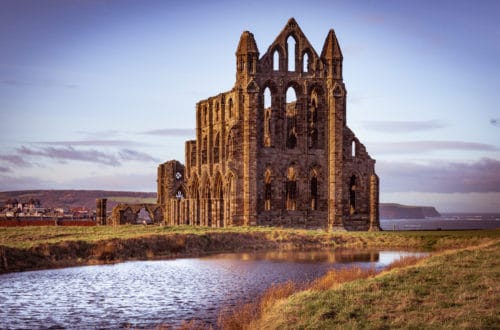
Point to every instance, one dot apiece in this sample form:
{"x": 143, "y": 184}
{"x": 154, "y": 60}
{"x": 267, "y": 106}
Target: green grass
{"x": 26, "y": 237}
{"x": 452, "y": 289}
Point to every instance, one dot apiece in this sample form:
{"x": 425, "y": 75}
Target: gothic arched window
{"x": 291, "y": 189}
{"x": 276, "y": 60}
{"x": 314, "y": 191}
{"x": 267, "y": 118}
{"x": 204, "y": 147}
{"x": 267, "y": 190}
{"x": 352, "y": 195}
{"x": 291, "y": 118}
{"x": 291, "y": 53}
{"x": 216, "y": 149}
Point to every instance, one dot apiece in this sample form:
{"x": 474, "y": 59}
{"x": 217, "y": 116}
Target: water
{"x": 447, "y": 221}
{"x": 147, "y": 293}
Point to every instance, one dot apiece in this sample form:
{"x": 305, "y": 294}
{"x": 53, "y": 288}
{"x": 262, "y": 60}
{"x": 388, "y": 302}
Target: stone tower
{"x": 275, "y": 149}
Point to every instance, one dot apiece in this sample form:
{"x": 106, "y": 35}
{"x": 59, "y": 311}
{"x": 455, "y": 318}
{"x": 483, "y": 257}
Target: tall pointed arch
{"x": 291, "y": 118}
{"x": 291, "y": 189}
{"x": 267, "y": 189}
{"x": 291, "y": 43}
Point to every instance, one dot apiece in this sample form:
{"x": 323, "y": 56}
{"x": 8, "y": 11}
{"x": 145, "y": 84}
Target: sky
{"x": 94, "y": 94}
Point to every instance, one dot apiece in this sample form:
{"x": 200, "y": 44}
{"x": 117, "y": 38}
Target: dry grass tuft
{"x": 277, "y": 292}
{"x": 239, "y": 318}
{"x": 339, "y": 276}
{"x": 405, "y": 261}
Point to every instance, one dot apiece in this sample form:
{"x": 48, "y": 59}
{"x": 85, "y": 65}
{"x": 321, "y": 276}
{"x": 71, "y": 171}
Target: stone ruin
{"x": 275, "y": 150}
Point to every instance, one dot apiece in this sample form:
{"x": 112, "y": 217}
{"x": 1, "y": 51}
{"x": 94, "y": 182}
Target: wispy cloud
{"x": 482, "y": 176}
{"x": 171, "y": 132}
{"x": 70, "y": 153}
{"x": 495, "y": 121}
{"x": 402, "y": 126}
{"x": 15, "y": 160}
{"x": 97, "y": 143}
{"x": 411, "y": 147}
{"x": 5, "y": 169}
{"x": 133, "y": 155}
{"x": 45, "y": 84}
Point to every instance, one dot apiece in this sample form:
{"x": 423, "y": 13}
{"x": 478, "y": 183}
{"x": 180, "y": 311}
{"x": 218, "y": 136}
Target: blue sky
{"x": 95, "y": 94}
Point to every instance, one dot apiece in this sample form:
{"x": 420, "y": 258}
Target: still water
{"x": 447, "y": 221}
{"x": 147, "y": 293}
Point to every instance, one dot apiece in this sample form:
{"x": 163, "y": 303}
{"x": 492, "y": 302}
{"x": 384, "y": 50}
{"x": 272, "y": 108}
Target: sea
{"x": 447, "y": 221}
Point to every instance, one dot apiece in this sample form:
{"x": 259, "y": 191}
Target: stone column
{"x": 100, "y": 211}
{"x": 374, "y": 203}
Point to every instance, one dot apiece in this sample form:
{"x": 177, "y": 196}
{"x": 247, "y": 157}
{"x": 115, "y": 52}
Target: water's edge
{"x": 79, "y": 253}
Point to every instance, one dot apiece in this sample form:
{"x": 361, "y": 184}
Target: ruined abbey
{"x": 275, "y": 149}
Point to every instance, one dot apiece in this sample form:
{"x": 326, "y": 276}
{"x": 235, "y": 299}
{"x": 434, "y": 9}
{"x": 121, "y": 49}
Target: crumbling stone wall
{"x": 275, "y": 149}
{"x": 129, "y": 214}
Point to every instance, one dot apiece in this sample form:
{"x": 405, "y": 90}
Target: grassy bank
{"x": 457, "y": 288}
{"x": 26, "y": 248}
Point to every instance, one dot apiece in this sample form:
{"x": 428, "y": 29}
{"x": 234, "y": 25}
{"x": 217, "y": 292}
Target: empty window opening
{"x": 267, "y": 117}
{"x": 291, "y": 189}
{"x": 291, "y": 118}
{"x": 267, "y": 190}
{"x": 313, "y": 137}
{"x": 352, "y": 195}
{"x": 143, "y": 216}
{"x": 291, "y": 53}
{"x": 353, "y": 149}
{"x": 314, "y": 191}
{"x": 312, "y": 119}
{"x": 276, "y": 60}
{"x": 305, "y": 63}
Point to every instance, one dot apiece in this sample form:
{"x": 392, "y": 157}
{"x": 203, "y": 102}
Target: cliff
{"x": 398, "y": 211}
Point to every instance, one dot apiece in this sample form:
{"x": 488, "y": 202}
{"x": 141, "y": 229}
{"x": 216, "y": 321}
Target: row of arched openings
{"x": 291, "y": 119}
{"x": 217, "y": 114}
{"x": 217, "y": 151}
{"x": 291, "y": 52}
{"x": 291, "y": 189}
{"x": 212, "y": 208}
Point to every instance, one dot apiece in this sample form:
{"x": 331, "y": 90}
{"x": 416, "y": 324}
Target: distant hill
{"x": 86, "y": 198}
{"x": 398, "y": 211}
{"x": 78, "y": 198}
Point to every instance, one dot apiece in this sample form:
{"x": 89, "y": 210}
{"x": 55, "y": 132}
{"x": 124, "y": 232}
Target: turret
{"x": 247, "y": 56}
{"x": 332, "y": 56}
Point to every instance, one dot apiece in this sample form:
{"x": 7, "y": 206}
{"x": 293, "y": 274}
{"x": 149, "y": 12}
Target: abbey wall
{"x": 275, "y": 149}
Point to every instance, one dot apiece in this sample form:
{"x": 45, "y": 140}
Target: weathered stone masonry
{"x": 263, "y": 156}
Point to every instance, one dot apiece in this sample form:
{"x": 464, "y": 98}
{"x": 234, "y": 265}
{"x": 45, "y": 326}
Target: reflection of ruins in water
{"x": 312, "y": 256}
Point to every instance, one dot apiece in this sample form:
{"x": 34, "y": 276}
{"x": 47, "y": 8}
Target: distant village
{"x": 32, "y": 210}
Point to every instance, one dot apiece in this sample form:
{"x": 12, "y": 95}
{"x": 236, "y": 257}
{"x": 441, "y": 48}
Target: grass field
{"x": 27, "y": 237}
